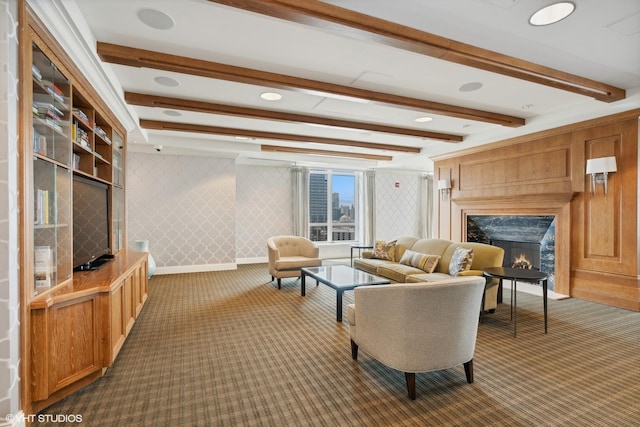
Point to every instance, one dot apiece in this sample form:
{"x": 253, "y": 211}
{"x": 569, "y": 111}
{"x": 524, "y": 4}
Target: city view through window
{"x": 332, "y": 206}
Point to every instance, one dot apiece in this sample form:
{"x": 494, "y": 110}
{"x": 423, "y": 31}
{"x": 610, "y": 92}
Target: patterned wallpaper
{"x": 185, "y": 206}
{"x": 203, "y": 213}
{"x": 396, "y": 207}
{"x": 264, "y": 208}
{"x": 9, "y": 291}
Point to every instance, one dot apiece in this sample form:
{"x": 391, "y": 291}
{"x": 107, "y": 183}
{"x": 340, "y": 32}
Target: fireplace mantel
{"x": 596, "y": 234}
{"x": 551, "y": 199}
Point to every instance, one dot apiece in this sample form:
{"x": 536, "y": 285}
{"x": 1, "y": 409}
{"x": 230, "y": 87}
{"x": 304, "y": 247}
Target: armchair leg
{"x": 468, "y": 370}
{"x": 411, "y": 384}
{"x": 279, "y": 283}
{"x": 354, "y": 350}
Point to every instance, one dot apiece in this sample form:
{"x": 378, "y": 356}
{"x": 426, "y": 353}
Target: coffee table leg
{"x": 302, "y": 283}
{"x": 339, "y": 305}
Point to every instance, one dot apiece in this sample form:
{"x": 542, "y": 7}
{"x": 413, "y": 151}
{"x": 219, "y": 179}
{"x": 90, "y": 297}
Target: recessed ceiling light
{"x": 470, "y": 87}
{"x": 552, "y": 13}
{"x": 423, "y": 119}
{"x": 166, "y": 81}
{"x": 172, "y": 113}
{"x": 155, "y": 19}
{"x": 271, "y": 96}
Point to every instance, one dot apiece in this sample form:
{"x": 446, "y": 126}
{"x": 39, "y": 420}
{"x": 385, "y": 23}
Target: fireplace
{"x": 528, "y": 240}
{"x": 520, "y": 254}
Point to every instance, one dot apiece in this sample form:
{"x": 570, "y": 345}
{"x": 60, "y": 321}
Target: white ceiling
{"x": 599, "y": 41}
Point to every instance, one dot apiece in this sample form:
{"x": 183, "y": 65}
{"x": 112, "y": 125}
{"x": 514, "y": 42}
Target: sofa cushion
{"x": 427, "y": 277}
{"x": 384, "y": 250}
{"x": 397, "y": 272}
{"x": 460, "y": 260}
{"x": 370, "y": 265}
{"x": 419, "y": 260}
{"x": 297, "y": 262}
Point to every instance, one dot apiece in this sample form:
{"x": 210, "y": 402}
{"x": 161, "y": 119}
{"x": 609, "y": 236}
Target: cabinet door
{"x": 51, "y": 110}
{"x": 117, "y": 219}
{"x": 117, "y": 332}
{"x": 52, "y": 225}
{"x": 65, "y": 345}
{"x": 51, "y": 196}
{"x": 128, "y": 306}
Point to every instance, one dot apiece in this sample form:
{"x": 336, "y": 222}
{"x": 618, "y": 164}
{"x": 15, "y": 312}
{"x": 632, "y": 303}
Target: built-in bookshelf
{"x": 73, "y": 323}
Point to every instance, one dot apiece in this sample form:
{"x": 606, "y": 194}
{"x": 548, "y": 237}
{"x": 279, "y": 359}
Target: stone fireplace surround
{"x": 530, "y": 235}
{"x": 556, "y": 206}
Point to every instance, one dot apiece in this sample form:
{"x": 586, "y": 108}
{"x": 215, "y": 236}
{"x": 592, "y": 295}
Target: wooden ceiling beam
{"x": 365, "y": 27}
{"x": 133, "y": 57}
{"x": 280, "y": 149}
{"x": 217, "y": 130}
{"x": 154, "y": 101}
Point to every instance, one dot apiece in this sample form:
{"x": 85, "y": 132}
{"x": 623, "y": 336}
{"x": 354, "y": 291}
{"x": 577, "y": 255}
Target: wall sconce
{"x": 444, "y": 187}
{"x": 599, "y": 170}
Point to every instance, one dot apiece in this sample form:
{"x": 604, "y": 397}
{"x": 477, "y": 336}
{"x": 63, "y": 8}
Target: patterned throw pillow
{"x": 384, "y": 250}
{"x": 460, "y": 261}
{"x": 424, "y": 262}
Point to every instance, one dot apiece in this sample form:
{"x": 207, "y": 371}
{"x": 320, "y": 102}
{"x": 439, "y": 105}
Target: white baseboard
{"x": 255, "y": 260}
{"x": 195, "y": 268}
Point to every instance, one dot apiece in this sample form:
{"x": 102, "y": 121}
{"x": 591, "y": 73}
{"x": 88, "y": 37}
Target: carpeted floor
{"x": 230, "y": 349}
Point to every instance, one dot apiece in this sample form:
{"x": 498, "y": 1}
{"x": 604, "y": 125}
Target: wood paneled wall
{"x": 597, "y": 254}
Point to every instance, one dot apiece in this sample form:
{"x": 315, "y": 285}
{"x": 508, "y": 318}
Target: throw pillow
{"x": 384, "y": 250}
{"x": 460, "y": 261}
{"x": 424, "y": 262}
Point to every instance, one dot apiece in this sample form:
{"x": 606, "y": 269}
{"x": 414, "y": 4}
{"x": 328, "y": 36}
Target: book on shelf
{"x": 54, "y": 91}
{"x": 41, "y": 208}
{"x": 100, "y": 132}
{"x": 53, "y": 124}
{"x": 43, "y": 267}
{"x": 39, "y": 143}
{"x": 35, "y": 71}
{"x": 48, "y": 109}
{"x": 76, "y": 161}
{"x": 81, "y": 115}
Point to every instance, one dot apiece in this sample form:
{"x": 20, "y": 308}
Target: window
{"x": 333, "y": 205}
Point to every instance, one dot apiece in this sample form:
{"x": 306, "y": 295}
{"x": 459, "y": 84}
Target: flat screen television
{"x": 91, "y": 237}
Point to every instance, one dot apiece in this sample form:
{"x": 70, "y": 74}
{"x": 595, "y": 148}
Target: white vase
{"x": 143, "y": 246}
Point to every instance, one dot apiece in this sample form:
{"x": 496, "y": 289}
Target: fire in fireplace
{"x": 521, "y": 261}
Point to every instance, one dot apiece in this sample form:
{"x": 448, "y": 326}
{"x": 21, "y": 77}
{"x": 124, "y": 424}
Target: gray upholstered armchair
{"x": 288, "y": 254}
{"x": 418, "y": 327}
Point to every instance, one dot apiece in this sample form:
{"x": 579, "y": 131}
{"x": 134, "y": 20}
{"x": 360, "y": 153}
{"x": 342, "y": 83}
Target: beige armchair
{"x": 418, "y": 327}
{"x": 288, "y": 254}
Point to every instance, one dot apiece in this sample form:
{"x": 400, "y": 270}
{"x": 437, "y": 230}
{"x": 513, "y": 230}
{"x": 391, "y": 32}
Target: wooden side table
{"x": 523, "y": 275}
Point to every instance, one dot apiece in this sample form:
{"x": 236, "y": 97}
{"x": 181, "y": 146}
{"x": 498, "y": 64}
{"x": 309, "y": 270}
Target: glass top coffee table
{"x": 341, "y": 278}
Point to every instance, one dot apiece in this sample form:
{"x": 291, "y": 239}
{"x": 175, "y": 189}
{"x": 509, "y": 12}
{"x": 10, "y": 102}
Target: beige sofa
{"x": 483, "y": 256}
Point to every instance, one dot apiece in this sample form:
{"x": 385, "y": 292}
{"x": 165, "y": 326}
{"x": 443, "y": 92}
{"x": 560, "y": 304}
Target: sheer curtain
{"x": 369, "y": 208}
{"x": 425, "y": 206}
{"x": 300, "y": 199}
